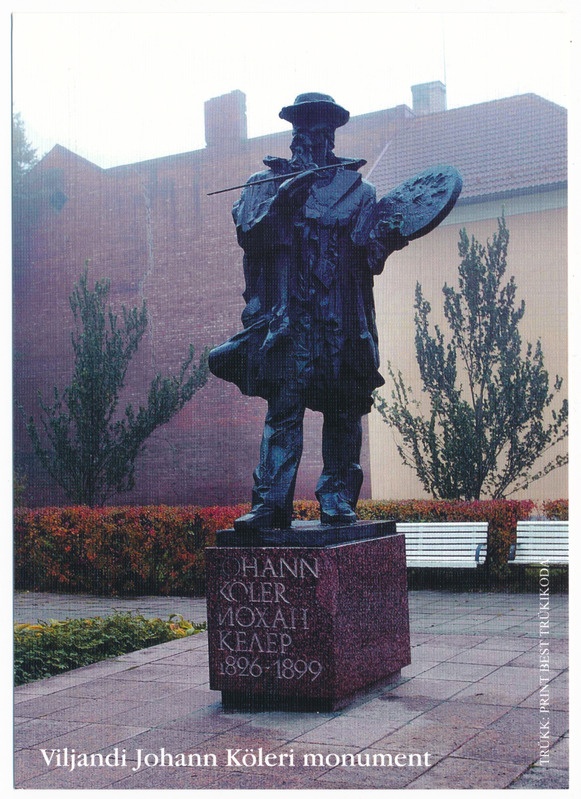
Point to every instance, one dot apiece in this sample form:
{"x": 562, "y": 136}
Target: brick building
{"x": 152, "y": 229}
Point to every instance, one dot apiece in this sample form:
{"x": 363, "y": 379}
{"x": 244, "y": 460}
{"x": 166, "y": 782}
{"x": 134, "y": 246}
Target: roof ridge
{"x": 512, "y": 144}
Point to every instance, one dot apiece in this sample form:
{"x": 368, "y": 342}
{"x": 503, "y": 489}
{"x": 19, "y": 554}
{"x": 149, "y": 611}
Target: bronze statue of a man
{"x": 309, "y": 338}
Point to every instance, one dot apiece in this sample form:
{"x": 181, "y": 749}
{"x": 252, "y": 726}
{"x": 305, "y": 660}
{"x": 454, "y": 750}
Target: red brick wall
{"x": 153, "y": 231}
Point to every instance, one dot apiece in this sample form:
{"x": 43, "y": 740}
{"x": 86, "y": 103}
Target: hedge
{"x": 159, "y": 550}
{"x": 119, "y": 550}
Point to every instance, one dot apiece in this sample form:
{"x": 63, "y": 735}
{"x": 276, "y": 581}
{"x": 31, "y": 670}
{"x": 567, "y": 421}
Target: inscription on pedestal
{"x": 263, "y": 620}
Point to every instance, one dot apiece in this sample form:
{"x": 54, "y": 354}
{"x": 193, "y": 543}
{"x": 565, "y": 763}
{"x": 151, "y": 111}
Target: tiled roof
{"x": 516, "y": 144}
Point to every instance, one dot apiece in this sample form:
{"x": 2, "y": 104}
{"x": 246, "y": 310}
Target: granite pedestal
{"x": 311, "y": 621}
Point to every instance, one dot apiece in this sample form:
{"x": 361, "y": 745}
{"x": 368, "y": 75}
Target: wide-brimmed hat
{"x": 315, "y": 107}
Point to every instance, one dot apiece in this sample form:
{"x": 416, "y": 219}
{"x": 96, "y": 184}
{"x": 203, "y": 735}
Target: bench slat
{"x": 542, "y": 524}
{"x": 548, "y": 539}
{"x": 443, "y": 525}
{"x": 548, "y": 544}
{"x": 538, "y": 541}
{"x": 441, "y": 564}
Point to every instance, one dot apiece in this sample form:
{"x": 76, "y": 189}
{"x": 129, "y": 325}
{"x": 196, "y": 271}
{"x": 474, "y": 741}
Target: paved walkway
{"x": 468, "y": 708}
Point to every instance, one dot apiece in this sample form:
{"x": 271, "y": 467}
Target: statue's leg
{"x": 340, "y": 482}
{"x": 280, "y": 454}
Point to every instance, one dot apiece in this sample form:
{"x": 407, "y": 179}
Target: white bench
{"x": 541, "y": 540}
{"x": 444, "y": 544}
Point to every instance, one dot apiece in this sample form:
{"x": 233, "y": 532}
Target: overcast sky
{"x": 124, "y": 87}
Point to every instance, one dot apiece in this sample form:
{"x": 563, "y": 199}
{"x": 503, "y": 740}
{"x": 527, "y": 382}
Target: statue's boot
{"x": 340, "y": 482}
{"x": 261, "y": 517}
{"x": 276, "y": 473}
{"x": 336, "y": 510}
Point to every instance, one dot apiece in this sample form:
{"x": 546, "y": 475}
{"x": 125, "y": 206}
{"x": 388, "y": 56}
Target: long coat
{"x": 309, "y": 318}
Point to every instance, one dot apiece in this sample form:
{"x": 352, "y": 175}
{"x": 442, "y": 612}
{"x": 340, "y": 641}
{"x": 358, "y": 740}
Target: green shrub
{"x": 48, "y": 648}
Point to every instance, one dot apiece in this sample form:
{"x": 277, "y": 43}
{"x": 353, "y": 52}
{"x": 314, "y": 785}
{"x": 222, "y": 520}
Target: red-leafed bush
{"x": 557, "y": 509}
{"x": 125, "y": 550}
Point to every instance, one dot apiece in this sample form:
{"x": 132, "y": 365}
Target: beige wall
{"x": 537, "y": 257}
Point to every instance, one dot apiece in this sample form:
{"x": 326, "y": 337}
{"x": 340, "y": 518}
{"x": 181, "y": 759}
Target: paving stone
{"x": 46, "y": 706}
{"x": 514, "y": 643}
{"x": 419, "y": 638}
{"x": 310, "y": 759}
{"x": 521, "y": 720}
{"x": 155, "y": 671}
{"x": 558, "y": 697}
{"x": 459, "y": 640}
{"x": 559, "y": 645}
{"x": 63, "y": 779}
{"x": 102, "y": 687}
{"x": 171, "y": 740}
{"x": 397, "y": 710}
{"x": 60, "y": 682}
{"x": 505, "y": 686}
{"x": 465, "y": 773}
{"x": 458, "y": 714}
{"x": 434, "y": 689}
{"x": 498, "y": 747}
{"x": 285, "y": 725}
{"x": 542, "y": 779}
{"x": 378, "y": 777}
{"x": 426, "y": 735}
{"x": 559, "y": 754}
{"x": 99, "y": 709}
{"x": 274, "y": 780}
{"x": 168, "y": 778}
{"x": 356, "y": 731}
{"x": 87, "y": 738}
{"x": 156, "y": 712}
{"x": 34, "y": 732}
{"x": 243, "y": 738}
{"x": 467, "y": 672}
{"x": 208, "y": 719}
{"x": 433, "y": 651}
{"x": 29, "y": 763}
{"x": 136, "y": 691}
{"x": 491, "y": 657}
{"x": 417, "y": 667}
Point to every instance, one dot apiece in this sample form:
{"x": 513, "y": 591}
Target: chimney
{"x": 225, "y": 119}
{"x": 429, "y": 98}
